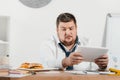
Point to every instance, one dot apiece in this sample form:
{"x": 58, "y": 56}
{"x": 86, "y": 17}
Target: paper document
{"x": 76, "y": 72}
{"x": 91, "y": 53}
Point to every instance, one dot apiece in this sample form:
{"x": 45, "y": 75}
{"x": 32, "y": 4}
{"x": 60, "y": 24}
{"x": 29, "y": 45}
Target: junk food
{"x": 31, "y": 66}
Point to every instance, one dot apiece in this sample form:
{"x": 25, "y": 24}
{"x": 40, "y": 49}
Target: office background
{"x": 29, "y": 27}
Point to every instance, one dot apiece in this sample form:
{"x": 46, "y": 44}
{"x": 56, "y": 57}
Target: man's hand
{"x": 102, "y": 61}
{"x": 74, "y": 58}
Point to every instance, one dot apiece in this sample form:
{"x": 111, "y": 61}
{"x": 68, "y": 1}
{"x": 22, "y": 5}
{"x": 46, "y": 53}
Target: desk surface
{"x": 63, "y": 76}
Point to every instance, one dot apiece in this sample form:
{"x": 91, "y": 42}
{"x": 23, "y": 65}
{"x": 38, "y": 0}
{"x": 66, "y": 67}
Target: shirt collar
{"x": 77, "y": 41}
{"x": 56, "y": 39}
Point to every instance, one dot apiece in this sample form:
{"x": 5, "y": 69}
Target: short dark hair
{"x": 65, "y": 17}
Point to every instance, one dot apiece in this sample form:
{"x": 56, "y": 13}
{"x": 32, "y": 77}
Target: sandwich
{"x": 31, "y": 65}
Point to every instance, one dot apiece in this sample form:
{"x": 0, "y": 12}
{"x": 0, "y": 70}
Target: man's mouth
{"x": 68, "y": 37}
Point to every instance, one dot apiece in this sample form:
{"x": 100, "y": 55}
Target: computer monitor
{"x": 4, "y": 41}
{"x": 111, "y": 37}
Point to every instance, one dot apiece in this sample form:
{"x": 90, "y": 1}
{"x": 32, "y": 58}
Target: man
{"x": 60, "y": 51}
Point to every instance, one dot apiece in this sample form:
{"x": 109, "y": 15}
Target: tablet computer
{"x": 91, "y": 53}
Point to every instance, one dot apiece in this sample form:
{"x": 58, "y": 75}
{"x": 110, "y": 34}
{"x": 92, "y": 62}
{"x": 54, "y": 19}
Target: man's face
{"x": 67, "y": 32}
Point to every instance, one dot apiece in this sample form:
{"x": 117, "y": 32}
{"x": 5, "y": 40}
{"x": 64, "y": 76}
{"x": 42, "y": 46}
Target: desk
{"x": 63, "y": 76}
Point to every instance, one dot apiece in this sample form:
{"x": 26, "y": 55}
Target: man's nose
{"x": 67, "y": 31}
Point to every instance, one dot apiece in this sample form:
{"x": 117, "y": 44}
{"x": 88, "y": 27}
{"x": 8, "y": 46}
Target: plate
{"x": 44, "y": 69}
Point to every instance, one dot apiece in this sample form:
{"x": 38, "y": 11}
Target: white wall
{"x": 29, "y": 27}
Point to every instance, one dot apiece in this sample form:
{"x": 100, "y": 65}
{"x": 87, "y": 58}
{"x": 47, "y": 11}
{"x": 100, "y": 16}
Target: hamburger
{"x": 31, "y": 66}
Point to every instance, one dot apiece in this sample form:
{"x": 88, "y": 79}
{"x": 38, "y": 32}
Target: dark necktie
{"x": 67, "y": 53}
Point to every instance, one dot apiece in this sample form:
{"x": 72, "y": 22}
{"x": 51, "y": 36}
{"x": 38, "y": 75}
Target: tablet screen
{"x": 91, "y": 53}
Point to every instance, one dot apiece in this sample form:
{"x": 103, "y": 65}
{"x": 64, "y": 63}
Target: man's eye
{"x": 71, "y": 28}
{"x": 63, "y": 29}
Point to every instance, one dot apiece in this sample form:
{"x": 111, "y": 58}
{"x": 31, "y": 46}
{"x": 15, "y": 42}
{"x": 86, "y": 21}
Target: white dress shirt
{"x": 51, "y": 54}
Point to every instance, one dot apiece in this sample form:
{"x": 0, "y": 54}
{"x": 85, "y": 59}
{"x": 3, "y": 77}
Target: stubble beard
{"x": 68, "y": 43}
